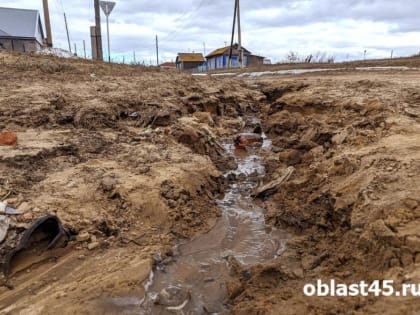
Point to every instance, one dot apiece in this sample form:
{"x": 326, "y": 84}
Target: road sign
{"x": 107, "y": 7}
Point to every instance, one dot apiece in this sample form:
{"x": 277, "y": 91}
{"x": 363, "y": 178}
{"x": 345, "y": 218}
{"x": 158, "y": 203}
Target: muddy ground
{"x": 353, "y": 200}
{"x": 129, "y": 159}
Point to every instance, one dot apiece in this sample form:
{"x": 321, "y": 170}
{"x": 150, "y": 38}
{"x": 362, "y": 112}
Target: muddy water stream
{"x": 195, "y": 283}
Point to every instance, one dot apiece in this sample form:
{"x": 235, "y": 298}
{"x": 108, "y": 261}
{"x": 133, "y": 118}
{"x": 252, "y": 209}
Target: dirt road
{"x": 130, "y": 160}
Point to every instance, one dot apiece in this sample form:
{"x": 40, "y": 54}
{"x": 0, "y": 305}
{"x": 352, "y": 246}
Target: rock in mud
{"x": 8, "y": 139}
{"x": 162, "y": 119}
{"x": 108, "y": 183}
{"x": 411, "y": 204}
{"x": 204, "y": 117}
{"x": 172, "y": 296}
{"x": 413, "y": 243}
{"x": 290, "y": 157}
{"x": 83, "y": 237}
{"x": 93, "y": 245}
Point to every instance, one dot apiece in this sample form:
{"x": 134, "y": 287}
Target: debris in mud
{"x": 5, "y": 209}
{"x": 273, "y": 186}
{"x": 42, "y": 235}
{"x": 248, "y": 139}
{"x": 83, "y": 237}
{"x": 8, "y": 139}
{"x": 4, "y": 227}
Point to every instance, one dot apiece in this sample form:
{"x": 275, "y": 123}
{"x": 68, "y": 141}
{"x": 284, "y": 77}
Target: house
{"x": 168, "y": 65}
{"x": 189, "y": 61}
{"x": 21, "y": 30}
{"x": 218, "y": 59}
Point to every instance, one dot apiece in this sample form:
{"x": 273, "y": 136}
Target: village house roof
{"x": 190, "y": 57}
{"x": 225, "y": 50}
{"x": 168, "y": 65}
{"x": 21, "y": 23}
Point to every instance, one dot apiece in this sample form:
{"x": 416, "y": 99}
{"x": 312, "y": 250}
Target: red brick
{"x": 8, "y": 138}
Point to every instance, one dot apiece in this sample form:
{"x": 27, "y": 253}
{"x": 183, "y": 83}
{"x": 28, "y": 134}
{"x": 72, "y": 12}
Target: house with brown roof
{"x": 189, "y": 61}
{"x": 218, "y": 59}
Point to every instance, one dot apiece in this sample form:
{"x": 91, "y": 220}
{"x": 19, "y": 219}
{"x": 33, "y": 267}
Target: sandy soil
{"x": 352, "y": 203}
{"x": 115, "y": 152}
{"x": 129, "y": 159}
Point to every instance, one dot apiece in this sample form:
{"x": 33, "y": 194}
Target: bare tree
{"x": 292, "y": 57}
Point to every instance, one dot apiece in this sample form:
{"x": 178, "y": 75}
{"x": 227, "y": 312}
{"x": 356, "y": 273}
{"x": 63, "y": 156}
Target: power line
{"x": 191, "y": 17}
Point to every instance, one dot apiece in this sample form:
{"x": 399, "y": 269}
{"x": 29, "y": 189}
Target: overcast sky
{"x": 271, "y": 28}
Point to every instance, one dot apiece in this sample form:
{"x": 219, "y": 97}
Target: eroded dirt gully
{"x": 126, "y": 157}
{"x": 194, "y": 282}
{"x": 352, "y": 202}
{"x": 131, "y": 161}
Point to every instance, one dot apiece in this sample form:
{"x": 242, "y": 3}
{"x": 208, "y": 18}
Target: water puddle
{"x": 195, "y": 283}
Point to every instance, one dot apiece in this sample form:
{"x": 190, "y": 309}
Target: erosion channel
{"x": 195, "y": 282}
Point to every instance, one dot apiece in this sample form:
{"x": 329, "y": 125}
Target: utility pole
{"x": 47, "y": 23}
{"x": 240, "y": 52}
{"x": 84, "y": 48}
{"x": 233, "y": 33}
{"x": 204, "y": 47}
{"x": 157, "y": 51}
{"x": 98, "y": 33}
{"x": 67, "y": 31}
{"x": 134, "y": 57}
{"x": 107, "y": 33}
{"x": 75, "y": 49}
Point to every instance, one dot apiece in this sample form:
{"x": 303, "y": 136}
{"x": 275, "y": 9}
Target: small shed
{"x": 21, "y": 30}
{"x": 189, "y": 61}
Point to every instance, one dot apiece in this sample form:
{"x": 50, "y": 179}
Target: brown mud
{"x": 352, "y": 202}
{"x": 124, "y": 157}
{"x": 131, "y": 160}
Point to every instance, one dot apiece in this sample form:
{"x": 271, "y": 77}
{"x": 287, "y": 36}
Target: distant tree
{"x": 292, "y": 57}
{"x": 322, "y": 57}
